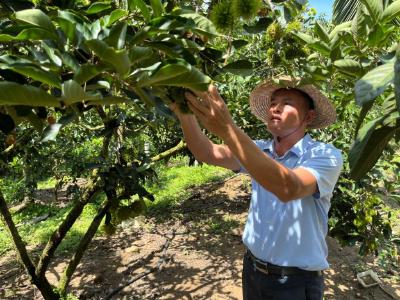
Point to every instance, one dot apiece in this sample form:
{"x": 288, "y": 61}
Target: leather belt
{"x": 271, "y": 269}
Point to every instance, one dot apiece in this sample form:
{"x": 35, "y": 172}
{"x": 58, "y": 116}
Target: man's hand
{"x": 210, "y": 109}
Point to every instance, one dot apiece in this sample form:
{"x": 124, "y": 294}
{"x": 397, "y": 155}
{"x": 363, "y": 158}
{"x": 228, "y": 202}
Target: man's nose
{"x": 276, "y": 108}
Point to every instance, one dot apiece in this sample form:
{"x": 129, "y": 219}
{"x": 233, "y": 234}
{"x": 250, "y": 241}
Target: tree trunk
{"x": 69, "y": 271}
{"x": 41, "y": 282}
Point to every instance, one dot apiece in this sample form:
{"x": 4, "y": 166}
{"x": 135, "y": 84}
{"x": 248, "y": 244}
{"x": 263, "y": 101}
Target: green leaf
{"x": 239, "y": 67}
{"x": 87, "y": 72}
{"x": 119, "y": 59}
{"x": 73, "y": 92}
{"x": 203, "y": 25}
{"x": 116, "y": 38}
{"x": 334, "y": 35}
{"x": 116, "y": 15}
{"x": 51, "y": 53}
{"x": 365, "y": 109}
{"x": 33, "y": 34}
{"x": 158, "y": 8}
{"x": 349, "y": 67}
{"x": 137, "y": 54}
{"x": 391, "y": 12}
{"x": 321, "y": 33}
{"x": 12, "y": 93}
{"x": 35, "y": 17}
{"x": 369, "y": 144}
{"x": 372, "y": 84}
{"x": 374, "y": 7}
{"x": 36, "y": 73}
{"x": 321, "y": 47}
{"x": 141, "y": 5}
{"x": 260, "y": 26}
{"x": 358, "y": 25}
{"x": 308, "y": 39}
{"x": 98, "y": 7}
{"x": 175, "y": 72}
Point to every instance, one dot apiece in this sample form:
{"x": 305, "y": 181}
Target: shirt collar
{"x": 298, "y": 149}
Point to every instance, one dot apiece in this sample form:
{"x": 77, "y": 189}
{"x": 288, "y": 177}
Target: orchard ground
{"x": 190, "y": 250}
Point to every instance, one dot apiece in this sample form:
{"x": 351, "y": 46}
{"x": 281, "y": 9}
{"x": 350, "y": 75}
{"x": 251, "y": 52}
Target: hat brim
{"x": 260, "y": 99}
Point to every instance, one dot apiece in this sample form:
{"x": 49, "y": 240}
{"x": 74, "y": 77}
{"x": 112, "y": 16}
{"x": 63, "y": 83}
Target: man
{"x": 293, "y": 177}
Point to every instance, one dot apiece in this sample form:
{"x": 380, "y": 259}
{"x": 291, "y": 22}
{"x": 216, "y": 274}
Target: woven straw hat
{"x": 260, "y": 99}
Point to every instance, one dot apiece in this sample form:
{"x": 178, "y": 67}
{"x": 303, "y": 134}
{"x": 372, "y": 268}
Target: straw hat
{"x": 260, "y": 99}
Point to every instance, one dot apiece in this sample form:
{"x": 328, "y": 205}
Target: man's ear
{"x": 310, "y": 116}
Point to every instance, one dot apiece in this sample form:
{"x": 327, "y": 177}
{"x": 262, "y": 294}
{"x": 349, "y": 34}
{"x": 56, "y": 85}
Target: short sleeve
{"x": 325, "y": 162}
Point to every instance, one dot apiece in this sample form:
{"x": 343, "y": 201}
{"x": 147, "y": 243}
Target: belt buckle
{"x": 263, "y": 270}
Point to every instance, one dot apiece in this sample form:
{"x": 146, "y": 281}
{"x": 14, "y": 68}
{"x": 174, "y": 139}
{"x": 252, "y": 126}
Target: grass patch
{"x": 174, "y": 184}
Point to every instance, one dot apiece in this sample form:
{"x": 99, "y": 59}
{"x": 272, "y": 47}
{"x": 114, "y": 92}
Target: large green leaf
{"x": 308, "y": 39}
{"x": 137, "y": 53}
{"x": 87, "y": 72}
{"x": 141, "y": 5}
{"x": 35, "y": 17}
{"x": 321, "y": 33}
{"x": 12, "y": 93}
{"x": 372, "y": 84}
{"x": 175, "y": 72}
{"x": 158, "y": 8}
{"x": 391, "y": 12}
{"x": 203, "y": 25}
{"x": 115, "y": 16}
{"x": 36, "y": 73}
{"x": 119, "y": 59}
{"x": 239, "y": 67}
{"x": 116, "y": 38}
{"x": 374, "y": 7}
{"x": 358, "y": 25}
{"x": 349, "y": 67}
{"x": 98, "y": 7}
{"x": 72, "y": 92}
{"x": 260, "y": 26}
{"x": 369, "y": 144}
{"x": 32, "y": 34}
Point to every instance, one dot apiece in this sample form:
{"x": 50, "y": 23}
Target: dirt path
{"x": 199, "y": 247}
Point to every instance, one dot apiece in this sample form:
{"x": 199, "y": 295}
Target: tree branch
{"x": 42, "y": 284}
{"x": 66, "y": 278}
{"x": 93, "y": 187}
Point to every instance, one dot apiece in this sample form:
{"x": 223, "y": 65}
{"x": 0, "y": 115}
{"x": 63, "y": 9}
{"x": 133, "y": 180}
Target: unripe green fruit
{"x": 222, "y": 16}
{"x": 274, "y": 31}
{"x": 293, "y": 26}
{"x": 247, "y": 9}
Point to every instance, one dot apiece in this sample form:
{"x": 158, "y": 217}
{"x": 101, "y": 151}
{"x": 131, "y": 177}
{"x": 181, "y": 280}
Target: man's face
{"x": 289, "y": 110}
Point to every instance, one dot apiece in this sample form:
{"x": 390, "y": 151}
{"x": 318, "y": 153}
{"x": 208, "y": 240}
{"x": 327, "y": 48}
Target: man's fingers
{"x": 198, "y": 102}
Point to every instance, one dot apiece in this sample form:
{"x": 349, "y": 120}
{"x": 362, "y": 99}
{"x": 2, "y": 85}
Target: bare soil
{"x": 193, "y": 251}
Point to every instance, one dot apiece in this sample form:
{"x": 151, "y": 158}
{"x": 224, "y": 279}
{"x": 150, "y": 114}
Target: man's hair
{"x": 309, "y": 100}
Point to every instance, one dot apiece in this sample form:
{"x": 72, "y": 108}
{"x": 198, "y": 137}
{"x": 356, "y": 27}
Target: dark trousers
{"x": 260, "y": 286}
